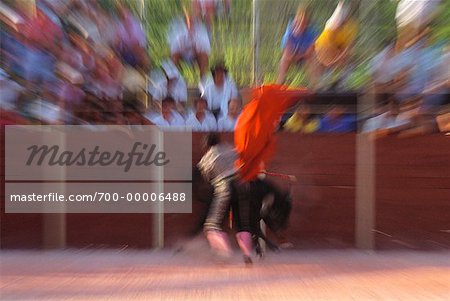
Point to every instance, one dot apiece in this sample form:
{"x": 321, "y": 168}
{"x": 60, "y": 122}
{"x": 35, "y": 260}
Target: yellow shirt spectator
{"x": 331, "y": 42}
{"x": 297, "y": 124}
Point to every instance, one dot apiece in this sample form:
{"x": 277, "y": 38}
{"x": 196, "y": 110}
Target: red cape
{"x": 254, "y": 133}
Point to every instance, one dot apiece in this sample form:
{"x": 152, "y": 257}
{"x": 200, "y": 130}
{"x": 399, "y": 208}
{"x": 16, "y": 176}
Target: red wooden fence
{"x": 412, "y": 199}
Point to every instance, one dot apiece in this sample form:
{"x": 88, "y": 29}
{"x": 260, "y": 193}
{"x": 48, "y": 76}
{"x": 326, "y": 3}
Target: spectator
{"x": 46, "y": 109}
{"x": 132, "y": 41}
{"x": 413, "y": 65}
{"x": 413, "y": 18}
{"x": 39, "y": 39}
{"x": 109, "y": 27}
{"x": 438, "y": 83}
{"x": 168, "y": 82}
{"x": 157, "y": 85}
{"x": 430, "y": 84}
{"x": 218, "y": 90}
{"x": 53, "y": 10}
{"x": 383, "y": 70}
{"x": 207, "y": 9}
{"x": 334, "y": 45}
{"x": 10, "y": 92}
{"x": 82, "y": 16}
{"x": 201, "y": 120}
{"x": 302, "y": 121}
{"x": 169, "y": 118}
{"x": 11, "y": 17}
{"x": 402, "y": 74}
{"x": 133, "y": 81}
{"x": 189, "y": 41}
{"x": 227, "y": 123}
{"x": 103, "y": 85}
{"x": 78, "y": 53}
{"x": 298, "y": 43}
{"x": 399, "y": 74}
{"x": 387, "y": 122}
{"x": 336, "y": 122}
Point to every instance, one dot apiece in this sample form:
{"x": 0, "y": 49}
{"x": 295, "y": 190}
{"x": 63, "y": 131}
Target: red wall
{"x": 413, "y": 192}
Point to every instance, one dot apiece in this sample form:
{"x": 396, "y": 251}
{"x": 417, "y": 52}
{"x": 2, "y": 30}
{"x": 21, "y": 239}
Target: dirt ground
{"x": 192, "y": 274}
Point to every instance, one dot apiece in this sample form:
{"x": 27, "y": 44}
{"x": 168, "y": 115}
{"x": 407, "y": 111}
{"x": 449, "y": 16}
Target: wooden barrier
{"x": 413, "y": 192}
{"x": 412, "y": 199}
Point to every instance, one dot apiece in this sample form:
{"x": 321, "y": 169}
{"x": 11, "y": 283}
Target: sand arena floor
{"x": 193, "y": 275}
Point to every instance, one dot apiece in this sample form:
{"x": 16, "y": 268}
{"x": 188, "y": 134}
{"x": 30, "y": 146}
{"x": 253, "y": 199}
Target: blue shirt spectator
{"x": 301, "y": 42}
{"x": 297, "y": 42}
{"x": 336, "y": 122}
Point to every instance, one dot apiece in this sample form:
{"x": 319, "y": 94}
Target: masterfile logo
{"x": 101, "y": 153}
{"x": 141, "y": 154}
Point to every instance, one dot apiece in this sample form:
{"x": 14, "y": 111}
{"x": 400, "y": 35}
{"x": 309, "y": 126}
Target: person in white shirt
{"x": 228, "y": 123}
{"x": 169, "y": 119}
{"x": 404, "y": 73}
{"x": 218, "y": 90}
{"x": 413, "y": 17}
{"x": 201, "y": 120}
{"x": 382, "y": 66}
{"x": 168, "y": 82}
{"x": 384, "y": 69}
{"x": 157, "y": 85}
{"x": 189, "y": 41}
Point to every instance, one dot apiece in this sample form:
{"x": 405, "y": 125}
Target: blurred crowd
{"x": 410, "y": 76}
{"x": 71, "y": 62}
{"x": 77, "y": 62}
